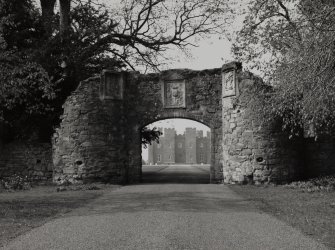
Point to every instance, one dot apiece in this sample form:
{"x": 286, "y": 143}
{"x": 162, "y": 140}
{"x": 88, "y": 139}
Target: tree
{"x": 146, "y": 29}
{"x": 48, "y": 7}
{"x": 25, "y": 87}
{"x": 270, "y": 29}
{"x": 64, "y": 21}
{"x": 34, "y": 83}
{"x": 47, "y": 54}
{"x": 298, "y": 40}
{"x": 149, "y": 135}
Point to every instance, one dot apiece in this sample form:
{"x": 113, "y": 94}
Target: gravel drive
{"x": 167, "y": 215}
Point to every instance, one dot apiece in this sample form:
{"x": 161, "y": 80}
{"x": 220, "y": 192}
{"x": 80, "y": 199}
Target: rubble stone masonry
{"x": 254, "y": 152}
{"x": 99, "y": 135}
{"x": 33, "y": 160}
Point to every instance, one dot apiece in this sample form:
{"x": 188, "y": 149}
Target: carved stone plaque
{"x": 174, "y": 94}
{"x": 228, "y": 83}
{"x": 111, "y": 85}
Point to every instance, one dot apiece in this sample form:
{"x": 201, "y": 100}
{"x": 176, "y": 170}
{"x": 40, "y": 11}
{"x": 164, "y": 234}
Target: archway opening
{"x": 181, "y": 154}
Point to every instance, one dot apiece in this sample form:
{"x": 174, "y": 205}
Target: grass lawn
{"x": 23, "y": 210}
{"x": 312, "y": 213}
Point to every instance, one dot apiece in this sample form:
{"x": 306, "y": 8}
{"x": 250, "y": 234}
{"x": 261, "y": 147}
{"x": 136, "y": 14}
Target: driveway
{"x": 171, "y": 210}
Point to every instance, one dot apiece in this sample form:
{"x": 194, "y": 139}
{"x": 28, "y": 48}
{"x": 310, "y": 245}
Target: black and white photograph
{"x": 167, "y": 124}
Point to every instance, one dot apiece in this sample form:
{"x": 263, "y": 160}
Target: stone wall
{"x": 145, "y": 104}
{"x": 319, "y": 156}
{"x": 181, "y": 148}
{"x": 1, "y": 137}
{"x": 202, "y": 150}
{"x": 1, "y": 144}
{"x": 168, "y": 146}
{"x": 33, "y": 160}
{"x": 99, "y": 138}
{"x": 191, "y": 145}
{"x": 89, "y": 145}
{"x": 254, "y": 152}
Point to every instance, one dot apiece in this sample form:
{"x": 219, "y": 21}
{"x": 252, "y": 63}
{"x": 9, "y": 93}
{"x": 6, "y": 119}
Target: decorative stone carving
{"x": 174, "y": 94}
{"x": 228, "y": 83}
{"x": 111, "y": 86}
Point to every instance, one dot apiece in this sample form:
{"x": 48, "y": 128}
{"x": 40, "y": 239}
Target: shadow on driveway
{"x": 181, "y": 174}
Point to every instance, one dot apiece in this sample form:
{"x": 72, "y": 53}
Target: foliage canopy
{"x": 293, "y": 43}
{"x": 45, "y": 54}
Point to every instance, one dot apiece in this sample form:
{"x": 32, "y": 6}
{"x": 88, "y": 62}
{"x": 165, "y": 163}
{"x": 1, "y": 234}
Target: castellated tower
{"x": 208, "y": 149}
{"x": 189, "y": 148}
{"x": 200, "y": 133}
{"x": 169, "y": 142}
{"x": 190, "y": 145}
{"x": 180, "y": 149}
{"x": 203, "y": 155}
{"x": 155, "y": 151}
{"x": 151, "y": 154}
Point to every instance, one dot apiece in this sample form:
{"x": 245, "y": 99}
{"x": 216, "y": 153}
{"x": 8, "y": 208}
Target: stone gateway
{"x": 99, "y": 137}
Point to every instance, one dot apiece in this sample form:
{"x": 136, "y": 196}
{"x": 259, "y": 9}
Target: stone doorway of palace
{"x": 181, "y": 155}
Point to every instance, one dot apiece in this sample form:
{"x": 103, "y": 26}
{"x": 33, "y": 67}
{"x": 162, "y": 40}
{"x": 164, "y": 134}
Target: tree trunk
{"x": 64, "y": 9}
{"x": 47, "y": 15}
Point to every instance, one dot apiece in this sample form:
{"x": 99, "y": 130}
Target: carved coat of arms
{"x": 111, "y": 85}
{"x": 228, "y": 83}
{"x": 174, "y": 94}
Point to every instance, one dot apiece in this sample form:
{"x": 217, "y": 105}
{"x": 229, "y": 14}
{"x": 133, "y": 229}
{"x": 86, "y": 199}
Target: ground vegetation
{"x": 310, "y": 212}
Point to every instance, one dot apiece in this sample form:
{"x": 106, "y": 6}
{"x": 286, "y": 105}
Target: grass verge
{"x": 22, "y": 211}
{"x": 313, "y": 213}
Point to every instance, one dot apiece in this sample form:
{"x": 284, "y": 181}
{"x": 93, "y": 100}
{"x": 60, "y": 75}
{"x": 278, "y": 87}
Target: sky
{"x": 179, "y": 125}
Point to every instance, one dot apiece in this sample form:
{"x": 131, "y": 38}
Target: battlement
{"x": 180, "y": 136}
{"x": 169, "y": 132}
{"x": 191, "y": 131}
{"x": 200, "y": 133}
